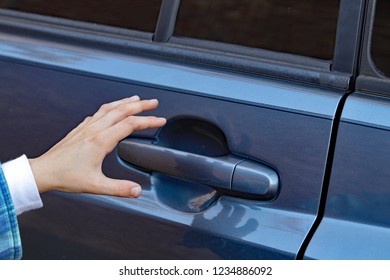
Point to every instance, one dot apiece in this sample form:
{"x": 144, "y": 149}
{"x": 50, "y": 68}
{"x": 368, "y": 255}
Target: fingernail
{"x": 136, "y": 191}
{"x": 134, "y": 98}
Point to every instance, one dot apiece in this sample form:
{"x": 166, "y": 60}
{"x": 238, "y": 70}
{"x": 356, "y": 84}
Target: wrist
{"x": 41, "y": 178}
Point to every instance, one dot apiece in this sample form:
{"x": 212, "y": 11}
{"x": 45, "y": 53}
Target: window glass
{"x": 304, "y": 27}
{"x": 380, "y": 48}
{"x": 132, "y": 14}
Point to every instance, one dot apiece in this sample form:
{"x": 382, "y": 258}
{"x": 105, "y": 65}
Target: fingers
{"x": 121, "y": 112}
{"x": 105, "y": 108}
{"x": 121, "y": 188}
{"x": 124, "y": 128}
{"x": 111, "y": 113}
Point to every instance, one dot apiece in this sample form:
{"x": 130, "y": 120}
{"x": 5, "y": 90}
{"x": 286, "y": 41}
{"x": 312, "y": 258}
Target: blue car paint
{"x": 173, "y": 76}
{"x": 284, "y": 125}
{"x": 357, "y": 216}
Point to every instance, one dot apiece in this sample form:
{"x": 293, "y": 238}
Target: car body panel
{"x": 356, "y": 222}
{"x": 142, "y": 70}
{"x": 49, "y": 86}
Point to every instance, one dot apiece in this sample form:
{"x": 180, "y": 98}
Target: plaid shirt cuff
{"x": 10, "y": 243}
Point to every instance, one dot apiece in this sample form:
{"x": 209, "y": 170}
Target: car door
{"x": 252, "y": 94}
{"x": 356, "y": 220}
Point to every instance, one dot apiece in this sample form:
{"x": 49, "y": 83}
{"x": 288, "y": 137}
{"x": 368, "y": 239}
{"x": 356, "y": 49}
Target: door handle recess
{"x": 226, "y": 172}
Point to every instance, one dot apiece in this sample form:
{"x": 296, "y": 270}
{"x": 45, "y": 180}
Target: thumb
{"x": 121, "y": 188}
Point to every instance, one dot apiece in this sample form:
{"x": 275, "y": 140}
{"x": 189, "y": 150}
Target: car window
{"x": 381, "y": 37}
{"x": 135, "y": 14}
{"x": 305, "y": 27}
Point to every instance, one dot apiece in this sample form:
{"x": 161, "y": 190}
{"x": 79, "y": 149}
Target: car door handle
{"x": 228, "y": 172}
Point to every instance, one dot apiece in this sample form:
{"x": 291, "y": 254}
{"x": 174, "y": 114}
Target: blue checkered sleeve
{"x": 10, "y": 243}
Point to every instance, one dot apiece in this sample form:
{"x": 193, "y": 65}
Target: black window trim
{"x": 166, "y": 21}
{"x": 330, "y": 74}
{"x": 370, "y": 79}
{"x": 367, "y": 64}
{"x": 349, "y": 36}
